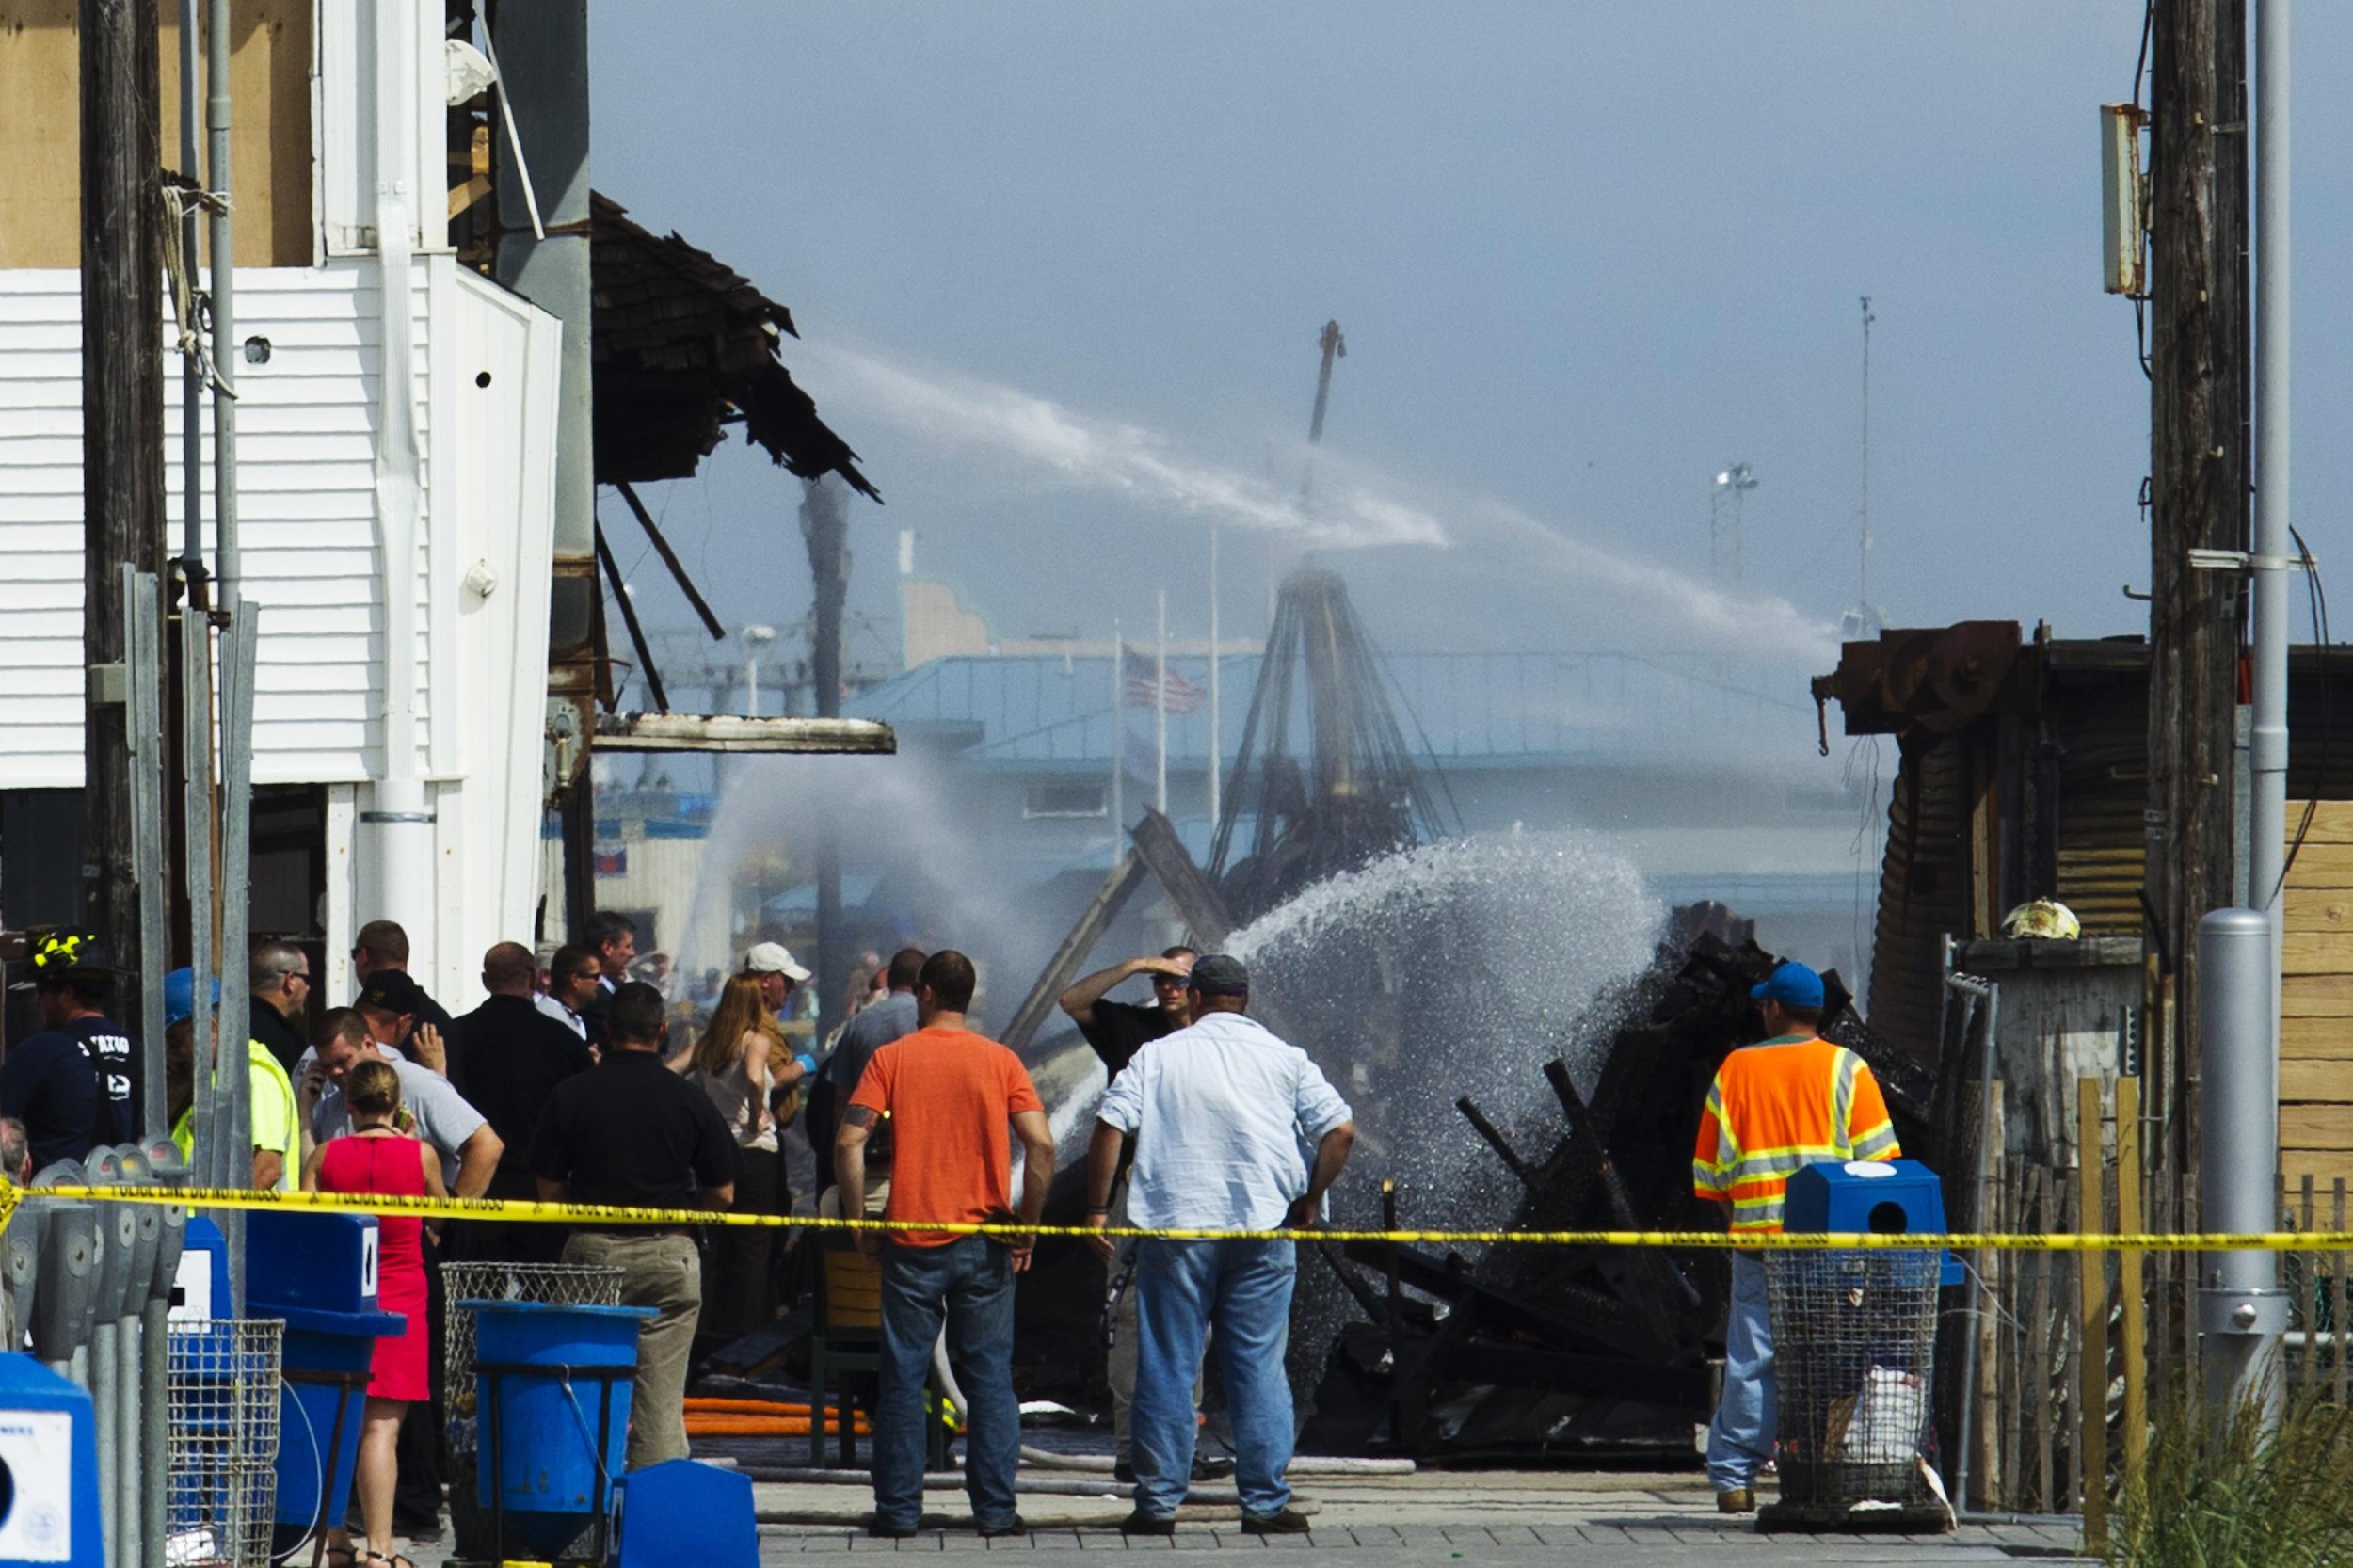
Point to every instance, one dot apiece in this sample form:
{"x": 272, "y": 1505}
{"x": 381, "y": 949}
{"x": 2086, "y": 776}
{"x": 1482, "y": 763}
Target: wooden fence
{"x": 2074, "y": 1349}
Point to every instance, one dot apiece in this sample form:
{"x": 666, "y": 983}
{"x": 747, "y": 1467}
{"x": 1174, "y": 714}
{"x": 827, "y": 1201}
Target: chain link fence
{"x": 221, "y": 1414}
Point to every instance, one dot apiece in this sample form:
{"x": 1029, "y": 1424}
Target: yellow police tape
{"x": 514, "y": 1210}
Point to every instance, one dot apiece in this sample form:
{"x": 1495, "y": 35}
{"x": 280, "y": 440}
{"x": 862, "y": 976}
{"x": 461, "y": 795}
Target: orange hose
{"x": 748, "y": 1407}
{"x": 712, "y": 1424}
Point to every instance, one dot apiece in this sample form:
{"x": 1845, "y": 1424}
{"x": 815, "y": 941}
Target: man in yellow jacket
{"x": 1792, "y": 1101}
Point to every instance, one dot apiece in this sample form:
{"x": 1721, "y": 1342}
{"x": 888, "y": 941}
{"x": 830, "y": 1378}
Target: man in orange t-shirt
{"x": 954, "y": 1099}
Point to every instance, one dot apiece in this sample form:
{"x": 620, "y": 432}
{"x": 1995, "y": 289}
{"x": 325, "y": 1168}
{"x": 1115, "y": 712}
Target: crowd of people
{"x": 571, "y": 1083}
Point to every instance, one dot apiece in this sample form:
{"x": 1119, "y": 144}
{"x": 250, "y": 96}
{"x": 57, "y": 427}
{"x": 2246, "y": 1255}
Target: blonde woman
{"x": 379, "y": 1155}
{"x": 742, "y": 1062}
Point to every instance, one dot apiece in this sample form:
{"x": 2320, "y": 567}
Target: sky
{"x": 1059, "y": 270}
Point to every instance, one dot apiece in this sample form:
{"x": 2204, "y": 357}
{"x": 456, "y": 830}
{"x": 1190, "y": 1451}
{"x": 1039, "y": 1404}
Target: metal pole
{"x": 2241, "y": 1309}
{"x": 102, "y": 1395}
{"x": 143, "y": 653}
{"x": 224, "y": 298}
{"x": 154, "y": 1432}
{"x": 130, "y": 1375}
{"x": 1990, "y": 996}
{"x": 239, "y": 648}
{"x": 1119, "y": 747}
{"x": 1159, "y": 713}
{"x": 191, "y": 373}
{"x": 196, "y": 747}
{"x": 2268, "y": 741}
{"x": 1217, "y": 742}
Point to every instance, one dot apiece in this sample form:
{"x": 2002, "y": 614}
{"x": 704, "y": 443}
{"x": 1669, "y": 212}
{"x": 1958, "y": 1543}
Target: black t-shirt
{"x": 506, "y": 1057}
{"x": 103, "y": 1041}
{"x": 51, "y": 1082}
{"x": 1118, "y": 1030}
{"x": 281, "y": 1036}
{"x": 631, "y": 1131}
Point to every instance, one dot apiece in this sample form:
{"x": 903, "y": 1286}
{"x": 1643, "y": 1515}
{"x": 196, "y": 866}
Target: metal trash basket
{"x": 559, "y": 1284}
{"x": 472, "y": 1534}
{"x": 222, "y": 1416}
{"x": 1854, "y": 1343}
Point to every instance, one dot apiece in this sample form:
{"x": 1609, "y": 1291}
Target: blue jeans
{"x": 970, "y": 1281}
{"x": 1740, "y": 1438}
{"x": 1244, "y": 1289}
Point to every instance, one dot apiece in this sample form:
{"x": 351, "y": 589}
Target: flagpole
{"x": 1217, "y": 740}
{"x": 1119, "y": 747}
{"x": 1159, "y": 713}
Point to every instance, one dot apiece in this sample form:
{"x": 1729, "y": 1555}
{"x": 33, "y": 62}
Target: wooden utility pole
{"x": 2199, "y": 457}
{"x": 122, "y": 430}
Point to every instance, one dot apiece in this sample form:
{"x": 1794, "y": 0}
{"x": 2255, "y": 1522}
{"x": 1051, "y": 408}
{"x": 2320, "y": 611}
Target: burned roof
{"x": 682, "y": 343}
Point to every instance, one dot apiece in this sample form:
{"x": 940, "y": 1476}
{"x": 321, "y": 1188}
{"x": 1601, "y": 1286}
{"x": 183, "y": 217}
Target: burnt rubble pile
{"x": 1591, "y": 1352}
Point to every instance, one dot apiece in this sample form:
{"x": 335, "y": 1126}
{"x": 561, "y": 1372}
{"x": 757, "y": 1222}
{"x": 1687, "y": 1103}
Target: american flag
{"x": 1145, "y": 689}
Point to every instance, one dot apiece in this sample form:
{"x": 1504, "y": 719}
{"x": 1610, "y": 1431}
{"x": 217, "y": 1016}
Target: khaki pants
{"x": 666, "y": 1273}
{"x": 877, "y": 1195}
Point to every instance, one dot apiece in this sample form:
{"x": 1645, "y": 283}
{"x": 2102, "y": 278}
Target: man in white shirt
{"x": 1218, "y": 1112}
{"x": 573, "y": 976}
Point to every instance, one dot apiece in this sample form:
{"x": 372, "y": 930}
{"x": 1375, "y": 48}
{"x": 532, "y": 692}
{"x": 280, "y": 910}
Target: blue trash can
{"x": 316, "y": 1270}
{"x": 48, "y": 1469}
{"x": 554, "y": 1392}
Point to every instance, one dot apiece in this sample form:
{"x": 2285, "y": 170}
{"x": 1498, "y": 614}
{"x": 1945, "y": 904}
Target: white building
{"x": 458, "y": 515}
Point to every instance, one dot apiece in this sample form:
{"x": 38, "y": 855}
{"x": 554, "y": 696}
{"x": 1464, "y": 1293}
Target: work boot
{"x": 1289, "y": 1522}
{"x": 1739, "y": 1499}
{"x": 878, "y": 1530}
{"x": 1141, "y": 1523}
{"x": 1014, "y": 1526}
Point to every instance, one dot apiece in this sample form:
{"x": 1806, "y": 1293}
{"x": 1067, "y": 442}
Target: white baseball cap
{"x": 774, "y": 958}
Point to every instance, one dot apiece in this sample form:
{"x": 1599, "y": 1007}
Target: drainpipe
{"x": 399, "y": 823}
{"x": 223, "y": 302}
{"x": 542, "y": 55}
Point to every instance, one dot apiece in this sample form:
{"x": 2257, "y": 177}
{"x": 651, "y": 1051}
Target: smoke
{"x": 1354, "y": 506}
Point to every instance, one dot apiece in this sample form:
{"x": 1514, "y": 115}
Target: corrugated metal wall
{"x": 1923, "y": 896}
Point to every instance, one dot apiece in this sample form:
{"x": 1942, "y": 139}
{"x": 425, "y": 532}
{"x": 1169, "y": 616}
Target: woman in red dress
{"x": 378, "y": 1156}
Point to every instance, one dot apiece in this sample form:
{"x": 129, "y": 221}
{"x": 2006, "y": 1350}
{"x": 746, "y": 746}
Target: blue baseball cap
{"x": 180, "y": 996}
{"x": 1792, "y": 985}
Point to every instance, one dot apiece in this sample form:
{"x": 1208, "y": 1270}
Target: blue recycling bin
{"x": 554, "y": 1393}
{"x": 682, "y": 1513}
{"x": 316, "y": 1270}
{"x": 48, "y": 1469}
{"x": 1885, "y": 1197}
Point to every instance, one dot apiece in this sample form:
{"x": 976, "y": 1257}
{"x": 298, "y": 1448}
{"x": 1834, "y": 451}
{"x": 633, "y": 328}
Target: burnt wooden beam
{"x": 629, "y": 618}
{"x": 670, "y": 558}
{"x": 1195, "y": 899}
{"x": 1064, "y": 967}
{"x": 1495, "y": 1141}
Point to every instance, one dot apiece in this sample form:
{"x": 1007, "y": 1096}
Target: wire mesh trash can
{"x": 1854, "y": 1343}
{"x": 222, "y": 1416}
{"x": 558, "y": 1284}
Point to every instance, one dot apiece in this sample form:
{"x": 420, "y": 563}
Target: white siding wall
{"x": 306, "y": 481}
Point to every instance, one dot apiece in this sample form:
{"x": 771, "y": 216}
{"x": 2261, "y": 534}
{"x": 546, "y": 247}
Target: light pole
{"x": 755, "y": 639}
{"x": 1723, "y": 532}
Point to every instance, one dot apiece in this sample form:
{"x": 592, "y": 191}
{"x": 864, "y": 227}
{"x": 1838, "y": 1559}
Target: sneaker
{"x": 1014, "y": 1526}
{"x": 1739, "y": 1499}
{"x": 1141, "y": 1523}
{"x": 1289, "y": 1522}
{"x": 881, "y": 1531}
{"x": 1212, "y": 1467}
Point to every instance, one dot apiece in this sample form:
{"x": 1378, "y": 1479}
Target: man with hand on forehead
{"x": 1117, "y": 1030}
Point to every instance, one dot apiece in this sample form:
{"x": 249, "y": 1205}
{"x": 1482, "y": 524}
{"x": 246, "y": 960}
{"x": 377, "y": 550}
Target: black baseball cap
{"x": 391, "y": 991}
{"x": 1218, "y": 975}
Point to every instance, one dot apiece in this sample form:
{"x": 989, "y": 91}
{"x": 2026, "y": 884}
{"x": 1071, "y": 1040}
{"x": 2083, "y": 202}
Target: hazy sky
{"x": 1059, "y": 270}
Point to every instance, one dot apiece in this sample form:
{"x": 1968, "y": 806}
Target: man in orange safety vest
{"x": 1789, "y": 1102}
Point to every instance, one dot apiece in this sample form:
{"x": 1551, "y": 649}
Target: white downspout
{"x": 397, "y": 824}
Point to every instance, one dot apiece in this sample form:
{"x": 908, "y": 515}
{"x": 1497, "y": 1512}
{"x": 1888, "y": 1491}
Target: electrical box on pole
{"x": 2123, "y": 264}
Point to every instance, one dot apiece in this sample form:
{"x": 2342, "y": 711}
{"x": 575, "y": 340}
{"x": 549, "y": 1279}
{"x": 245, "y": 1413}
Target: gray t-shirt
{"x": 444, "y": 1119}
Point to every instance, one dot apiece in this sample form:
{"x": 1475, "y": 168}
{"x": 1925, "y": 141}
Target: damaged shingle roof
{"x": 683, "y": 342}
